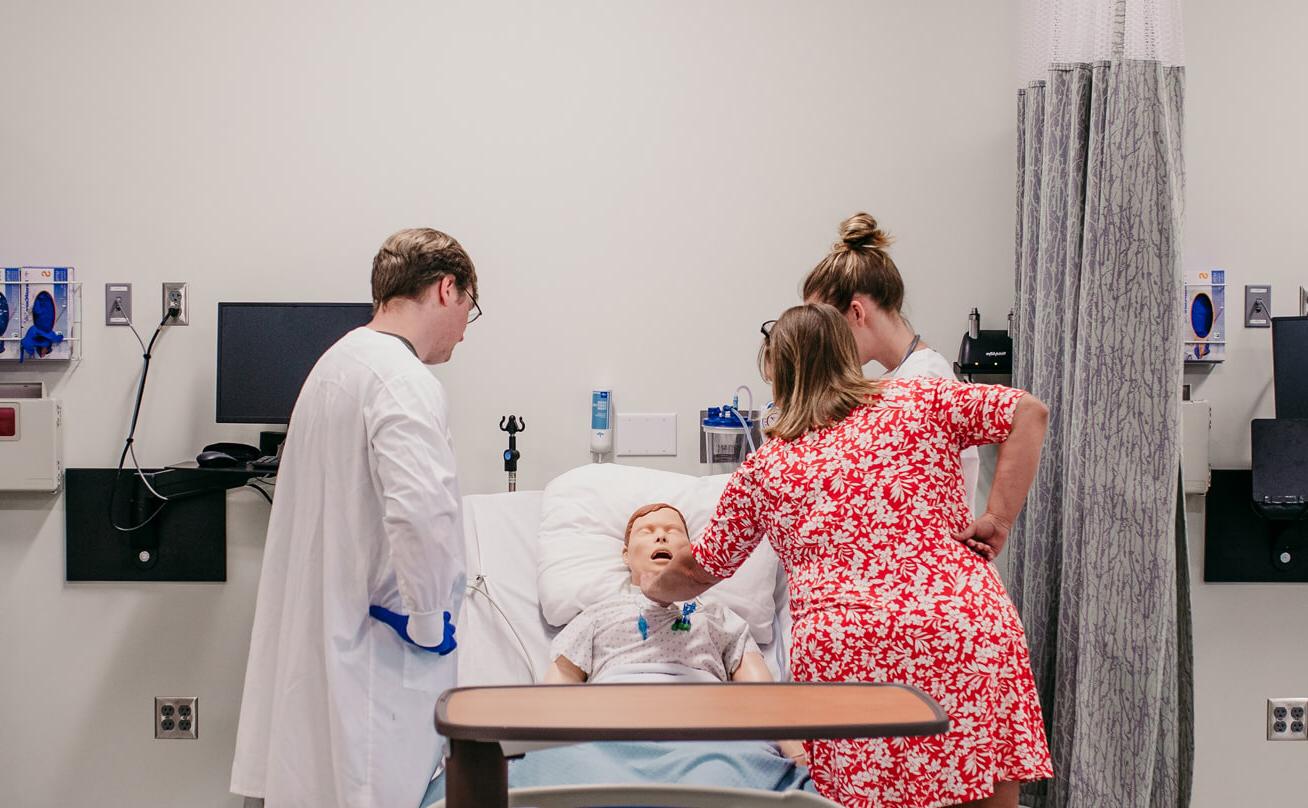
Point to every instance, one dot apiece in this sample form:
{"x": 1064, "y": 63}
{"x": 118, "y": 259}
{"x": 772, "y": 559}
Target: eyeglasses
{"x": 475, "y": 311}
{"x": 766, "y": 328}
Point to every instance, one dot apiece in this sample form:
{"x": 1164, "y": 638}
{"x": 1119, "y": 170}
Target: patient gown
{"x": 861, "y": 515}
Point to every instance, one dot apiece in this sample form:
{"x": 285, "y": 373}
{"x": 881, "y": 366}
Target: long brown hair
{"x": 811, "y": 360}
{"x": 858, "y": 263}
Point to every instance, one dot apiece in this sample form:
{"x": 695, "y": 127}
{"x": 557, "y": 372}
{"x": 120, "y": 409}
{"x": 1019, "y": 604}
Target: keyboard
{"x": 265, "y": 463}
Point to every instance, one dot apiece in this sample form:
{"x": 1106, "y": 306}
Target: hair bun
{"x": 860, "y": 230}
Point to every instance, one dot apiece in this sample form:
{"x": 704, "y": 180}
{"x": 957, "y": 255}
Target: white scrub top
{"x": 928, "y": 363}
{"x": 338, "y": 710}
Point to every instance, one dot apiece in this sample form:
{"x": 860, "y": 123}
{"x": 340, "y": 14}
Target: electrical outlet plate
{"x": 120, "y": 294}
{"x": 1287, "y": 719}
{"x": 177, "y": 292}
{"x": 1257, "y": 307}
{"x": 176, "y": 717}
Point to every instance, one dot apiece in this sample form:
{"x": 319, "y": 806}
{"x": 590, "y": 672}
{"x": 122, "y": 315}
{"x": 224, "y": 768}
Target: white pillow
{"x": 584, "y": 514}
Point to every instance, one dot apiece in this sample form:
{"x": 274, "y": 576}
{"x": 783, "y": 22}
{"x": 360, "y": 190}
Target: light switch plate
{"x": 646, "y": 434}
{"x": 1257, "y": 307}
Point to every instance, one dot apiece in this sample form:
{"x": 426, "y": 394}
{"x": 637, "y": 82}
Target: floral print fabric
{"x": 861, "y": 514}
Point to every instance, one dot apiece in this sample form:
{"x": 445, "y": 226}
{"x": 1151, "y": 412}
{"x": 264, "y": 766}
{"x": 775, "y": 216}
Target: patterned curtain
{"x": 1098, "y": 565}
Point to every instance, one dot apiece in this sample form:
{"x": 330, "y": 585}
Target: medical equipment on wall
{"x": 985, "y": 351}
{"x": 512, "y": 424}
{"x": 1205, "y": 316}
{"x": 31, "y": 443}
{"x": 40, "y": 315}
{"x": 1196, "y": 424}
{"x": 727, "y": 435}
{"x": 601, "y": 424}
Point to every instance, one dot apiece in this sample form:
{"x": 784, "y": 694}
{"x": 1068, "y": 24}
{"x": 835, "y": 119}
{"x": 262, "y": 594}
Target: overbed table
{"x": 476, "y": 719}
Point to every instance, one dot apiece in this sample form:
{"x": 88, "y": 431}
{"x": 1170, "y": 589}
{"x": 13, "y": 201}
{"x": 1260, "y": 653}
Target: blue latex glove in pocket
{"x": 400, "y": 622}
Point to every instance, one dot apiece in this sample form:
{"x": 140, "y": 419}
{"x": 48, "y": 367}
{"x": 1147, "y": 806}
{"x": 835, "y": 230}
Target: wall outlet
{"x": 1286, "y": 719}
{"x": 117, "y": 304}
{"x": 177, "y": 717}
{"x": 1257, "y": 307}
{"x": 174, "y": 294}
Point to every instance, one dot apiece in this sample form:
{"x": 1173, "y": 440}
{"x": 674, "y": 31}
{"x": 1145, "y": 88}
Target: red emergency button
{"x": 8, "y": 422}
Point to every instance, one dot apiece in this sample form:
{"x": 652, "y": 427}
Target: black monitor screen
{"x": 1290, "y": 366}
{"x": 266, "y": 350}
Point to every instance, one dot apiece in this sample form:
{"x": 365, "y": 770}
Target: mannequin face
{"x": 655, "y": 538}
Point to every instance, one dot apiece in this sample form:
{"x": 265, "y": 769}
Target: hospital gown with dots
{"x": 861, "y": 514}
{"x": 608, "y": 635}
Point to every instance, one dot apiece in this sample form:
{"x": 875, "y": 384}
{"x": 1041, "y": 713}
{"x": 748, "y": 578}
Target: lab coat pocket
{"x": 428, "y": 672}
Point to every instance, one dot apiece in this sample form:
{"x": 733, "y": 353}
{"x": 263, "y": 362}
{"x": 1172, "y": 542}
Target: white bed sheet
{"x": 503, "y": 639}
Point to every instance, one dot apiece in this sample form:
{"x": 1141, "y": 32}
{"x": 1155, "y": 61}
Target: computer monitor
{"x": 266, "y": 350}
{"x": 1290, "y": 366}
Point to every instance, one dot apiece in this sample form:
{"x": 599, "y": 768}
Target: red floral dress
{"x": 861, "y": 514}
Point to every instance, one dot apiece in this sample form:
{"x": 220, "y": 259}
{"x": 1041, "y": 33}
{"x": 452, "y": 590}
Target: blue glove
{"x": 41, "y": 336}
{"x": 400, "y": 622}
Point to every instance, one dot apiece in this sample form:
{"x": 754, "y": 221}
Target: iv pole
{"x": 512, "y": 424}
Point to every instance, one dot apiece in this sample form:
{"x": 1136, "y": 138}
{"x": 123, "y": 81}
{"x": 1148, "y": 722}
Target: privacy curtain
{"x": 1098, "y": 564}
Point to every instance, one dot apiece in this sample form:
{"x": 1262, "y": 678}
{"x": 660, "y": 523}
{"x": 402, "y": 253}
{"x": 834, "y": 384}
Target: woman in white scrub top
{"x": 363, "y": 569}
{"x": 860, "y": 279}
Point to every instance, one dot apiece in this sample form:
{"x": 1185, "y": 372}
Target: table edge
{"x": 473, "y": 732}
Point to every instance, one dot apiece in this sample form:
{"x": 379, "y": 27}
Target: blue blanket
{"x": 737, "y": 764}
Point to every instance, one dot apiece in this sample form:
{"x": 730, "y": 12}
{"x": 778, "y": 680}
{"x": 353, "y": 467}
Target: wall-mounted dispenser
{"x": 1205, "y": 316}
{"x": 31, "y": 444}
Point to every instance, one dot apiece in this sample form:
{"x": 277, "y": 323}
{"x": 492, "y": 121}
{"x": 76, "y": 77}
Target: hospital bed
{"x": 516, "y": 543}
{"x": 504, "y": 640}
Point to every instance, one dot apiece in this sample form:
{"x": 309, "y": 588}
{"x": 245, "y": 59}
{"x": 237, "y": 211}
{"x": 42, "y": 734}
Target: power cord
{"x": 478, "y": 586}
{"x": 262, "y": 491}
{"x": 129, "y": 444}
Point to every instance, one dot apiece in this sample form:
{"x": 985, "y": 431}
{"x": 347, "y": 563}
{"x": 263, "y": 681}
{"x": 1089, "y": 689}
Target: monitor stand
{"x": 270, "y": 442}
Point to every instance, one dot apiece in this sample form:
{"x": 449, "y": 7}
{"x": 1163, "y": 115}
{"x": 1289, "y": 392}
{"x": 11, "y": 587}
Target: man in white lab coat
{"x": 364, "y": 565}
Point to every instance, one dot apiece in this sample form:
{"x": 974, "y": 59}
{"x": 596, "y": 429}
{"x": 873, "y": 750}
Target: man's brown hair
{"x": 412, "y": 260}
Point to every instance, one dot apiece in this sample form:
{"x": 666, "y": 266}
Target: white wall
{"x": 1246, "y": 126}
{"x": 640, "y": 185}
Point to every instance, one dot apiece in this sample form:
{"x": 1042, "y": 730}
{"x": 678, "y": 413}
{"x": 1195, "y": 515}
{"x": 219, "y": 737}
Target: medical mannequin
{"x": 630, "y": 630}
{"x": 860, "y": 279}
{"x": 363, "y": 568}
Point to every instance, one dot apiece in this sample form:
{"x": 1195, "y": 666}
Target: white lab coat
{"x": 338, "y": 710}
{"x": 928, "y": 363}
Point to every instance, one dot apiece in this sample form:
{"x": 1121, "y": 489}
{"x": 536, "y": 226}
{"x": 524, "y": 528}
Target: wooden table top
{"x": 680, "y": 711}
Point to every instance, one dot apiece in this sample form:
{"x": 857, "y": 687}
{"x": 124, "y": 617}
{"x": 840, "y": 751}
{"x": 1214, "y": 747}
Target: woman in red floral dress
{"x": 861, "y": 493}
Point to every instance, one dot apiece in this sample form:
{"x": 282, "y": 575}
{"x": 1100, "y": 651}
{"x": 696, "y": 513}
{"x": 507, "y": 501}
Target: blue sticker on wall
{"x": 4, "y": 319}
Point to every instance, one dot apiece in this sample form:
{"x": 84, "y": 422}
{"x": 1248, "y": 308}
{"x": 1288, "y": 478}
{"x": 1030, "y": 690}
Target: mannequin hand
{"x": 986, "y": 536}
{"x": 795, "y": 751}
{"x": 400, "y": 622}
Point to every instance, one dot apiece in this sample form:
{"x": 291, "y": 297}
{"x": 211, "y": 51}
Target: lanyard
{"x": 912, "y": 346}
